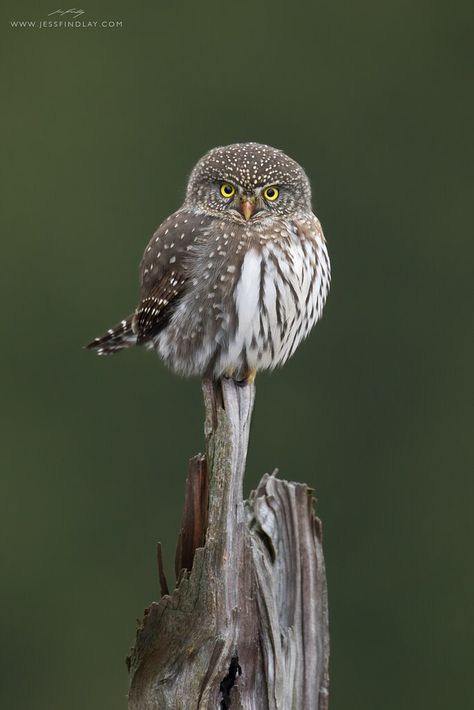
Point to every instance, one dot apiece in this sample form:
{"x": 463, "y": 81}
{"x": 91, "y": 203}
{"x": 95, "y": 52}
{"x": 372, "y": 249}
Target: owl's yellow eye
{"x": 271, "y": 193}
{"x": 227, "y": 190}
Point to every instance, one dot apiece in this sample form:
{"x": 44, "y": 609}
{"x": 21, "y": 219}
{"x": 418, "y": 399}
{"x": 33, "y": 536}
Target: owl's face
{"x": 248, "y": 182}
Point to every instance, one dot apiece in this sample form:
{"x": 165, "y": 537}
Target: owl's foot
{"x": 241, "y": 378}
{"x": 247, "y": 379}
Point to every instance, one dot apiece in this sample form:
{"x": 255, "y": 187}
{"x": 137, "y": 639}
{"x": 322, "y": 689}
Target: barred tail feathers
{"x": 118, "y": 338}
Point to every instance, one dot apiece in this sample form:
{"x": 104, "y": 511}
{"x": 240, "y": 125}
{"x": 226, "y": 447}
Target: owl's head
{"x": 248, "y": 181}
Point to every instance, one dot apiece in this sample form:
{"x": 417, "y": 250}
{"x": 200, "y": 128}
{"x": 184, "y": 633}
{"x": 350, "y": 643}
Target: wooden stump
{"x": 247, "y": 625}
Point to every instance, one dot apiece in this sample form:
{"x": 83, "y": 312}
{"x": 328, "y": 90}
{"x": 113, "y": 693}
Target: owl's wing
{"x": 163, "y": 272}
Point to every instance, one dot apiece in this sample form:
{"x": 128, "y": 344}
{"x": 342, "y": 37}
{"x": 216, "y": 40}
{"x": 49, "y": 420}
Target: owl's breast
{"x": 279, "y": 297}
{"x": 250, "y": 299}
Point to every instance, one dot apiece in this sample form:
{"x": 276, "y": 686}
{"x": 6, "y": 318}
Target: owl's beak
{"x": 247, "y": 207}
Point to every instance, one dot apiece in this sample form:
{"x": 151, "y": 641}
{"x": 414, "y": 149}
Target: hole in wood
{"x": 229, "y": 681}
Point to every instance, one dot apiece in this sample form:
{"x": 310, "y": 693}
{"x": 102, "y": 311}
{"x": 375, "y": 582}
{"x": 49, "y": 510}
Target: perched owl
{"x": 234, "y": 280}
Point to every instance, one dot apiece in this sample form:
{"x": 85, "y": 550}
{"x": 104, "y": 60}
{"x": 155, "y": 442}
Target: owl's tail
{"x": 115, "y": 339}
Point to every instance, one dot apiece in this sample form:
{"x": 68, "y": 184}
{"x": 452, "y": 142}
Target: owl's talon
{"x": 249, "y": 379}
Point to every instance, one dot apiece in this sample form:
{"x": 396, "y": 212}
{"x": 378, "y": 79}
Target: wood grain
{"x": 247, "y": 625}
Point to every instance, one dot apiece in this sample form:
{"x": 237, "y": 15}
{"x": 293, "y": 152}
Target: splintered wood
{"x": 247, "y": 625}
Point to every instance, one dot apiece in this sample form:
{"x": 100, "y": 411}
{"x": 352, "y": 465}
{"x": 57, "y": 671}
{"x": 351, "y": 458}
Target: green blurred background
{"x": 100, "y": 129}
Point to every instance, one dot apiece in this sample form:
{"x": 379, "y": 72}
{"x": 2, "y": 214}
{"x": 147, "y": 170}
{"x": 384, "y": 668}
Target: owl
{"x": 234, "y": 280}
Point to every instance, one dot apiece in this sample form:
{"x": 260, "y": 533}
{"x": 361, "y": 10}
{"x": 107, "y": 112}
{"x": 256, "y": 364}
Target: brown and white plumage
{"x": 231, "y": 284}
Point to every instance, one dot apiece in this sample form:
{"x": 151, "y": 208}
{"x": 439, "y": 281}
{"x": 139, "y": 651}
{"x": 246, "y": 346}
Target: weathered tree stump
{"x": 247, "y": 624}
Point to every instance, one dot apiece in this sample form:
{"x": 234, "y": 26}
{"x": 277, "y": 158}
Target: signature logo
{"x": 72, "y": 11}
{"x": 67, "y": 19}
